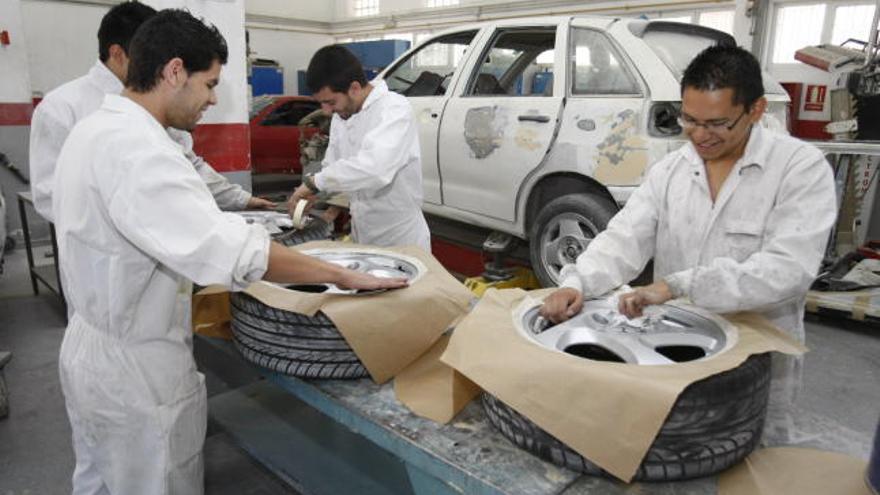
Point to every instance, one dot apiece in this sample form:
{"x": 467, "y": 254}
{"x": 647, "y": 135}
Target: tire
{"x": 714, "y": 424}
{"x": 588, "y": 212}
{"x": 291, "y": 343}
{"x": 316, "y": 230}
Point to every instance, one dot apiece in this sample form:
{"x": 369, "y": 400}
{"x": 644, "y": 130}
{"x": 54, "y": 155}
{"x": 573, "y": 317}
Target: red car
{"x": 275, "y": 133}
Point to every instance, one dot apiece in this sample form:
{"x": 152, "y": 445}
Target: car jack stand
{"x": 496, "y": 274}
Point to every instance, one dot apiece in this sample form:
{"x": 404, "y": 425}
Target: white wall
{"x": 15, "y": 84}
{"x": 316, "y": 10}
{"x": 62, "y": 40}
{"x": 292, "y": 50}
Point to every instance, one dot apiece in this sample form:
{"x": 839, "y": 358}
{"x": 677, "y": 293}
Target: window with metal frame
{"x": 441, "y": 3}
{"x": 363, "y": 8}
{"x": 428, "y": 71}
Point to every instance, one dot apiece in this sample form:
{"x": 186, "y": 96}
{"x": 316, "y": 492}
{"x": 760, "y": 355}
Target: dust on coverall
{"x": 66, "y": 105}
{"x": 374, "y": 157}
{"x": 136, "y": 226}
{"x": 757, "y": 248}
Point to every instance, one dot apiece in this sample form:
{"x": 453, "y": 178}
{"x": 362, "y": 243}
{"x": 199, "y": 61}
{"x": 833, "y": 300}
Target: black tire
{"x": 291, "y": 343}
{"x": 591, "y": 212}
{"x": 316, "y": 230}
{"x": 714, "y": 424}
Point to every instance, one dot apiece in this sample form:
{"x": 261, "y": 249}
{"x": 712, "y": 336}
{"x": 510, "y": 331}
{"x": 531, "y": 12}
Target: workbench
{"x": 340, "y": 437}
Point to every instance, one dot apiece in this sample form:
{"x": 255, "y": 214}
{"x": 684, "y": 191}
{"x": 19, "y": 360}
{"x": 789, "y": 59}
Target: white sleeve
{"x": 384, "y": 152}
{"x": 620, "y": 252}
{"x": 228, "y": 196}
{"x": 794, "y": 240}
{"x": 161, "y": 206}
{"x": 49, "y": 129}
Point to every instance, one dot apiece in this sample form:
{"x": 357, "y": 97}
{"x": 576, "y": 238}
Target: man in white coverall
{"x": 66, "y": 105}
{"x": 737, "y": 219}
{"x": 373, "y": 154}
{"x": 136, "y": 227}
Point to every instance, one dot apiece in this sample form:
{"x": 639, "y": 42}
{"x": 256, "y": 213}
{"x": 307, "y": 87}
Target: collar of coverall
{"x": 105, "y": 79}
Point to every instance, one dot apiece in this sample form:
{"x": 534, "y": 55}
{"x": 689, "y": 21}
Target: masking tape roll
{"x": 298, "y": 217}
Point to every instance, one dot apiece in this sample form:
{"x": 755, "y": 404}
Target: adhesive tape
{"x": 298, "y": 217}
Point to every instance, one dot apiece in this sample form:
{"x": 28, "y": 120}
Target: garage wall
{"x": 292, "y": 50}
{"x": 62, "y": 41}
{"x": 313, "y": 11}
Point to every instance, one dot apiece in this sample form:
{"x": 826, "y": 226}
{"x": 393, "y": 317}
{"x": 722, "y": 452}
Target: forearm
{"x": 290, "y": 266}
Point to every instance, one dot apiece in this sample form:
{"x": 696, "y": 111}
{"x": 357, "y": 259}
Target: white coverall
{"x": 136, "y": 224}
{"x": 66, "y": 105}
{"x": 374, "y": 157}
{"x": 757, "y": 248}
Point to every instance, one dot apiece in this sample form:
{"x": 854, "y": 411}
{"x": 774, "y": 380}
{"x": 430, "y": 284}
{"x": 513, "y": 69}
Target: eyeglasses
{"x": 688, "y": 124}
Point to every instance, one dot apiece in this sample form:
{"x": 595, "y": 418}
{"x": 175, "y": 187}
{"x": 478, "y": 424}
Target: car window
{"x": 518, "y": 63}
{"x": 597, "y": 66}
{"x": 290, "y": 113}
{"x": 427, "y": 72}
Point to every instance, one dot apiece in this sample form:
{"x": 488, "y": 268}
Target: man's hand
{"x": 351, "y": 279}
{"x": 330, "y": 215}
{"x": 632, "y": 303}
{"x": 562, "y": 305}
{"x": 301, "y": 192}
{"x": 260, "y": 203}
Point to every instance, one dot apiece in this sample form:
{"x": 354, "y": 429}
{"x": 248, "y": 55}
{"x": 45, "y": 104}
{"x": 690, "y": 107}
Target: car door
{"x": 501, "y": 126}
{"x": 424, "y": 76}
{"x": 275, "y": 137}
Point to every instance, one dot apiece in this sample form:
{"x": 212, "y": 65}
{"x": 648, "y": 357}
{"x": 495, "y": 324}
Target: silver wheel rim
{"x": 376, "y": 263}
{"x": 566, "y": 236}
{"x": 668, "y": 334}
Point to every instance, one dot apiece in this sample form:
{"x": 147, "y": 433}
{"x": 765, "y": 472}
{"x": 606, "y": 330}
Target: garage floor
{"x": 841, "y": 400}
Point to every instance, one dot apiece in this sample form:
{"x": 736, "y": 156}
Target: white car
{"x": 541, "y": 128}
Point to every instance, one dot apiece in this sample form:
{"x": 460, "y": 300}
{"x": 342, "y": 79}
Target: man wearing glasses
{"x": 737, "y": 219}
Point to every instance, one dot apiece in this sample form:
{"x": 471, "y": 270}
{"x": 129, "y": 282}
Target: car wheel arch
{"x": 555, "y": 185}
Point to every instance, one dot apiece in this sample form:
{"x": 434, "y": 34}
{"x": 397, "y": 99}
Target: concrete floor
{"x": 839, "y": 406}
{"x": 36, "y": 456}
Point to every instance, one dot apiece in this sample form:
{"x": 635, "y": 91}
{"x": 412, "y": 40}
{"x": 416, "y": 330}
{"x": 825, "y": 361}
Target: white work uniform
{"x": 66, "y": 105}
{"x": 374, "y": 157}
{"x": 135, "y": 226}
{"x": 758, "y": 247}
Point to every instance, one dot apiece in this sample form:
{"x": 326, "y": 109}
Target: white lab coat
{"x": 757, "y": 248}
{"x": 63, "y": 107}
{"x": 374, "y": 157}
{"x": 135, "y": 226}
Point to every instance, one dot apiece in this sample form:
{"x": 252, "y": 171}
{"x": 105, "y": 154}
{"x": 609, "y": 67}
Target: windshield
{"x": 258, "y": 104}
{"x": 676, "y": 44}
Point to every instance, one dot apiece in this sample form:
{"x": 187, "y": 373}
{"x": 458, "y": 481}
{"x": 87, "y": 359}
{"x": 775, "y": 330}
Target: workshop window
{"x": 519, "y": 63}
{"x": 597, "y": 67}
{"x": 427, "y": 72}
{"x": 797, "y": 26}
{"x": 363, "y": 8}
{"x": 441, "y": 3}
{"x": 852, "y": 21}
{"x": 721, "y": 20}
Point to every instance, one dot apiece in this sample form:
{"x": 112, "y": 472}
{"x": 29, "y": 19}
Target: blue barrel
{"x": 873, "y": 475}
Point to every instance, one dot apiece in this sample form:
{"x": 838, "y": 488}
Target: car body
{"x": 509, "y": 123}
{"x": 275, "y": 132}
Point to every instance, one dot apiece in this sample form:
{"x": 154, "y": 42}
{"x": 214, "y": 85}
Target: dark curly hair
{"x": 726, "y": 66}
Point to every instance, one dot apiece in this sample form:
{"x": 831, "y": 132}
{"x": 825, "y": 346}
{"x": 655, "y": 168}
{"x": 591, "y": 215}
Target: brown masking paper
{"x": 432, "y": 389}
{"x": 795, "y": 471}
{"x": 608, "y": 412}
{"x": 389, "y": 330}
{"x": 211, "y": 314}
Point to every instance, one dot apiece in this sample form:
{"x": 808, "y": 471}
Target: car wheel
{"x": 562, "y": 230}
{"x": 714, "y": 423}
{"x": 316, "y": 230}
{"x": 308, "y": 346}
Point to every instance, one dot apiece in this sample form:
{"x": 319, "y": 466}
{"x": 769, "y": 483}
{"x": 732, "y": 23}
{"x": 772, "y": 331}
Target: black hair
{"x": 172, "y": 33}
{"x": 335, "y": 67}
{"x": 119, "y": 24}
{"x": 726, "y": 66}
